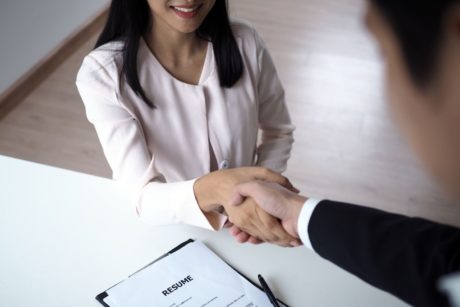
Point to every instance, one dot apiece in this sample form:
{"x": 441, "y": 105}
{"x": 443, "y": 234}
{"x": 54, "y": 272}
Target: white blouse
{"x": 157, "y": 154}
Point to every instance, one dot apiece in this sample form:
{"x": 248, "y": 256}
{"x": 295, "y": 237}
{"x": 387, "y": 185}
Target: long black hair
{"x": 129, "y": 20}
{"x": 418, "y": 25}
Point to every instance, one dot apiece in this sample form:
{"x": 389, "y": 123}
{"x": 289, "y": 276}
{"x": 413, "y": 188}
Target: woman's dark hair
{"x": 129, "y": 20}
{"x": 418, "y": 25}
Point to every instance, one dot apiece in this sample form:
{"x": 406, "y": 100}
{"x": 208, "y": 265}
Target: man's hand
{"x": 215, "y": 189}
{"x": 255, "y": 225}
{"x": 275, "y": 200}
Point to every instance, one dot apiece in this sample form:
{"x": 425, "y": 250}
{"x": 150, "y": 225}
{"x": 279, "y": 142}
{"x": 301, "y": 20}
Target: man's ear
{"x": 452, "y": 24}
{"x": 450, "y": 51}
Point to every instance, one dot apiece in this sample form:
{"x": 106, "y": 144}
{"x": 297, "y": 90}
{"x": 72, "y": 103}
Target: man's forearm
{"x": 404, "y": 256}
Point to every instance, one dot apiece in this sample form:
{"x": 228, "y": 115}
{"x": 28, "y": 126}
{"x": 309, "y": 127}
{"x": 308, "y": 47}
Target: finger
{"x": 242, "y": 237}
{"x": 244, "y": 190}
{"x": 291, "y": 187}
{"x": 234, "y": 231}
{"x": 255, "y": 236}
{"x": 271, "y": 176}
{"x": 228, "y": 224}
{"x": 244, "y": 218}
{"x": 274, "y": 231}
{"x": 257, "y": 192}
{"x": 237, "y": 199}
{"x": 296, "y": 243}
{"x": 279, "y": 236}
{"x": 254, "y": 240}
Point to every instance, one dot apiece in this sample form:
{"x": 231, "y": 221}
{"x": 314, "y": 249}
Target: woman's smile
{"x": 186, "y": 11}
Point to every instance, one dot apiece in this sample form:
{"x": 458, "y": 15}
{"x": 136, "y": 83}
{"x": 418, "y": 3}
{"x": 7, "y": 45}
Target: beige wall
{"x": 30, "y": 29}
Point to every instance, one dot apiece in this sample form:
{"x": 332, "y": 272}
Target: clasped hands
{"x": 262, "y": 205}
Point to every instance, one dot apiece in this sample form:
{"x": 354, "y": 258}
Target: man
{"x": 420, "y": 40}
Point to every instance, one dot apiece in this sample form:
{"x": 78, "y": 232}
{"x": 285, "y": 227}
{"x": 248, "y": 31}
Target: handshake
{"x": 262, "y": 205}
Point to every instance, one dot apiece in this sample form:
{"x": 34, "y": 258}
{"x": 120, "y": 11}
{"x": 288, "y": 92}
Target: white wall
{"x": 30, "y": 29}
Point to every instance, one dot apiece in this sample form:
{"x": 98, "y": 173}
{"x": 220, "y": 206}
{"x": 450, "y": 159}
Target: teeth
{"x": 186, "y": 10}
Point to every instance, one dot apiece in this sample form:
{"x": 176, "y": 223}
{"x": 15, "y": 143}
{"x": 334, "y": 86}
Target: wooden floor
{"x": 50, "y": 126}
{"x": 346, "y": 146}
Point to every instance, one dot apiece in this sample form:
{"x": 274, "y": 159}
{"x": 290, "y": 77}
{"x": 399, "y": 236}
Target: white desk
{"x": 66, "y": 236}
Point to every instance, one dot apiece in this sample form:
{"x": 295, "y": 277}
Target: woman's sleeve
{"x": 128, "y": 155}
{"x": 274, "y": 119}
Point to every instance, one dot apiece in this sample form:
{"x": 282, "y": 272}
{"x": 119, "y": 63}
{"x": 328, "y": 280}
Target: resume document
{"x": 192, "y": 276}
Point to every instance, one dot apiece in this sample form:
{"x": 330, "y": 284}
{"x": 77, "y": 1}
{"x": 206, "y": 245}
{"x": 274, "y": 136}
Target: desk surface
{"x": 66, "y": 236}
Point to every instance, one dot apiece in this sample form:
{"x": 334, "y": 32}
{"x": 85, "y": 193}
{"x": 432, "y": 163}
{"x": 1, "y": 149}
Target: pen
{"x": 269, "y": 292}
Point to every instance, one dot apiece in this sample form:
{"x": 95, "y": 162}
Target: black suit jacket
{"x": 398, "y": 254}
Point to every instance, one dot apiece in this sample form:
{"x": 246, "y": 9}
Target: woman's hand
{"x": 215, "y": 189}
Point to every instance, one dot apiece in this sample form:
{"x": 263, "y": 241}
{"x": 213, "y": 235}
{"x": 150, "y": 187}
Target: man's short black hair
{"x": 418, "y": 25}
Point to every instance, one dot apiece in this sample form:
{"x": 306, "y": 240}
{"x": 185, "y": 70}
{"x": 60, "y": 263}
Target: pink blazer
{"x": 157, "y": 154}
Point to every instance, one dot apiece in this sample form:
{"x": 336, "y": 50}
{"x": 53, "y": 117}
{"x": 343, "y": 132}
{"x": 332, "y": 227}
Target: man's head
{"x": 420, "y": 41}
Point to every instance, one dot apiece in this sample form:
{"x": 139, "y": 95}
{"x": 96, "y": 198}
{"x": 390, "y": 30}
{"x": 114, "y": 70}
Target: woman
{"x": 177, "y": 94}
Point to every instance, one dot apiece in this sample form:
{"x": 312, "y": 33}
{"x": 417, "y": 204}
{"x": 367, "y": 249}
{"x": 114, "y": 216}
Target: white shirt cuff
{"x": 175, "y": 203}
{"x": 304, "y": 220}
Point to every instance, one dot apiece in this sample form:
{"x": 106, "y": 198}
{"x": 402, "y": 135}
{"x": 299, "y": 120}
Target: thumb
{"x": 237, "y": 199}
{"x": 242, "y": 191}
{"x": 266, "y": 195}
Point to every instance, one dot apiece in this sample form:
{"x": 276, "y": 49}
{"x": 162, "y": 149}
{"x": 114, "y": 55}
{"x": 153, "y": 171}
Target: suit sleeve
{"x": 403, "y": 256}
{"x": 122, "y": 138}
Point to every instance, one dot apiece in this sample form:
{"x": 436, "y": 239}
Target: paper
{"x": 193, "y": 276}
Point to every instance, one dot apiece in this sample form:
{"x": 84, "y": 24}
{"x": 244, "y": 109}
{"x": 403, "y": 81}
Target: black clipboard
{"x": 101, "y": 296}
